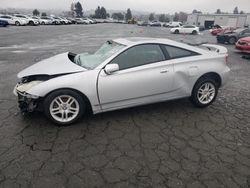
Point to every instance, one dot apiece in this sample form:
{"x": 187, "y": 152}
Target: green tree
{"x": 36, "y": 12}
{"x": 44, "y": 14}
{"x": 182, "y": 17}
{"x": 78, "y": 9}
{"x": 218, "y": 11}
{"x": 162, "y": 18}
{"x": 103, "y": 13}
{"x": 118, "y": 16}
{"x": 236, "y": 11}
{"x": 128, "y": 15}
{"x": 151, "y": 17}
{"x": 97, "y": 12}
{"x": 176, "y": 17}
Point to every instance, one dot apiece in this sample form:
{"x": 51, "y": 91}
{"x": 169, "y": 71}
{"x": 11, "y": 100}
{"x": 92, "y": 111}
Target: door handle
{"x": 164, "y": 71}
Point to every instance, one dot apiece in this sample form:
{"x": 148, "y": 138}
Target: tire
{"x": 176, "y": 31}
{"x": 204, "y": 92}
{"x": 64, "y": 106}
{"x": 17, "y": 23}
{"x": 31, "y": 23}
{"x": 232, "y": 40}
{"x": 43, "y": 23}
{"x": 194, "y": 32}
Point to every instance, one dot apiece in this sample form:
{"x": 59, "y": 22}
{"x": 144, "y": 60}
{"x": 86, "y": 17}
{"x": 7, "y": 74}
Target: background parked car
{"x": 13, "y": 20}
{"x": 222, "y": 29}
{"x": 233, "y": 36}
{"x": 243, "y": 45}
{"x": 186, "y": 29}
{"x": 49, "y": 20}
{"x": 72, "y": 20}
{"x": 79, "y": 20}
{"x": 43, "y": 21}
{"x": 142, "y": 23}
{"x": 3, "y": 23}
{"x": 30, "y": 21}
{"x": 173, "y": 24}
{"x": 155, "y": 24}
{"x": 56, "y": 20}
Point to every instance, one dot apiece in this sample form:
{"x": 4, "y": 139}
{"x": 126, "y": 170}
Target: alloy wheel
{"x": 64, "y": 108}
{"x": 206, "y": 93}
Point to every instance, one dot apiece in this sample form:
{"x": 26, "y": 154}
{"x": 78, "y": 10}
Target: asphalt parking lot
{"x": 171, "y": 144}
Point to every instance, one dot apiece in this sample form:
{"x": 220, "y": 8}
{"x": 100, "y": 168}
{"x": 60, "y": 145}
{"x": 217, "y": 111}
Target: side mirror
{"x": 110, "y": 68}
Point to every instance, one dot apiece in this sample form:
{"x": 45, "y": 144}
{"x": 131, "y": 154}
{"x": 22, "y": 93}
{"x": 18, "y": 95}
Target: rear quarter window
{"x": 175, "y": 52}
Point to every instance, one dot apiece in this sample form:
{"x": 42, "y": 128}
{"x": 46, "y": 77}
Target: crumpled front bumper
{"x": 26, "y": 102}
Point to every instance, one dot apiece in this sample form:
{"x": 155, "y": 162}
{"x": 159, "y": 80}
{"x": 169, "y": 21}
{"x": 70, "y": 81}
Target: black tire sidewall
{"x": 176, "y": 31}
{"x": 197, "y": 86}
{"x": 53, "y": 95}
{"x": 17, "y": 23}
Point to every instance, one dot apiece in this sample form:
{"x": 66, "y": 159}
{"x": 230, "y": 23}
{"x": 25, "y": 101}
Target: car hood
{"x": 59, "y": 64}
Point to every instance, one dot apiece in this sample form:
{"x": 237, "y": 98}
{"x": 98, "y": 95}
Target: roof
{"x": 131, "y": 41}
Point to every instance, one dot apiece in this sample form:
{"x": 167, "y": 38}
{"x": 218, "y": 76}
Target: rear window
{"x": 175, "y": 52}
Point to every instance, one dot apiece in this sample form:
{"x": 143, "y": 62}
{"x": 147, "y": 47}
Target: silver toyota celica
{"x": 123, "y": 73}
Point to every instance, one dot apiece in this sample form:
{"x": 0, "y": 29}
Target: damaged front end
{"x": 26, "y": 101}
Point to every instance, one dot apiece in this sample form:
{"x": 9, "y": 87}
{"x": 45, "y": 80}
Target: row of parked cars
{"x": 230, "y": 35}
{"x": 159, "y": 24}
{"x": 21, "y": 19}
{"x": 176, "y": 27}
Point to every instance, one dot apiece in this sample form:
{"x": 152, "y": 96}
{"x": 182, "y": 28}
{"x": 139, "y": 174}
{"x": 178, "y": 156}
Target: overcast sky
{"x": 157, "y": 6}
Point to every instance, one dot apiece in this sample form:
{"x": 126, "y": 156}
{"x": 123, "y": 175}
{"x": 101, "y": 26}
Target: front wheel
{"x": 232, "y": 40}
{"x": 17, "y": 23}
{"x": 204, "y": 93}
{"x": 64, "y": 106}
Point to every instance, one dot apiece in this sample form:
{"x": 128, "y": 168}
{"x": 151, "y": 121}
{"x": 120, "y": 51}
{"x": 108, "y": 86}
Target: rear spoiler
{"x": 210, "y": 47}
{"x": 216, "y": 48}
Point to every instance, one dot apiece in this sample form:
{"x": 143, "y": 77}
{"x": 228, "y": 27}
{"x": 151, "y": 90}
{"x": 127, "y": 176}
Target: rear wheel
{"x": 64, "y": 106}
{"x": 194, "y": 32}
{"x": 232, "y": 40}
{"x": 204, "y": 92}
{"x": 43, "y": 23}
{"x": 176, "y": 31}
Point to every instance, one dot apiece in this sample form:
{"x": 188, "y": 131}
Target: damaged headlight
{"x": 21, "y": 88}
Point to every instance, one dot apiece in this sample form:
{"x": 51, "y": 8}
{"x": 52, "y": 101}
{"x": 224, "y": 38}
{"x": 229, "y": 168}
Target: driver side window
{"x": 139, "y": 55}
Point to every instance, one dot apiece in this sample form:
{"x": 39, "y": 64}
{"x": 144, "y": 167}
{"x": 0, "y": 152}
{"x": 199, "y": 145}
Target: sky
{"x": 156, "y": 6}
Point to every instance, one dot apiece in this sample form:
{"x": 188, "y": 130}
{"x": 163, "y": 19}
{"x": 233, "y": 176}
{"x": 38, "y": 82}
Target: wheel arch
{"x": 212, "y": 75}
{"x": 84, "y": 97}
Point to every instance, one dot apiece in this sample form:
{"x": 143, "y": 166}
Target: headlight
{"x": 26, "y": 86}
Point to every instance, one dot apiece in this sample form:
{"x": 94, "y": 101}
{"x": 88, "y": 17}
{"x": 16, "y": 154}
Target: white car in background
{"x": 13, "y": 20}
{"x": 123, "y": 73}
{"x": 173, "y": 24}
{"x": 42, "y": 21}
{"x": 186, "y": 29}
{"x": 86, "y": 21}
{"x": 30, "y": 21}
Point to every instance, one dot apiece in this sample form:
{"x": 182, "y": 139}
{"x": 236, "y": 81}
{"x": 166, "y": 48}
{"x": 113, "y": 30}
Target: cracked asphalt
{"x": 170, "y": 144}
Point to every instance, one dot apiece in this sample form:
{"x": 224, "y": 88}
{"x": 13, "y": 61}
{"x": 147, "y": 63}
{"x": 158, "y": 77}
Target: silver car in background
{"x": 123, "y": 73}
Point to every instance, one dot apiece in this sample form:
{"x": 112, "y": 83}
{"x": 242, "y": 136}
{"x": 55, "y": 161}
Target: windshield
{"x": 91, "y": 61}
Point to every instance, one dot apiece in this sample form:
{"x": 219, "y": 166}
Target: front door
{"x": 145, "y": 76}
